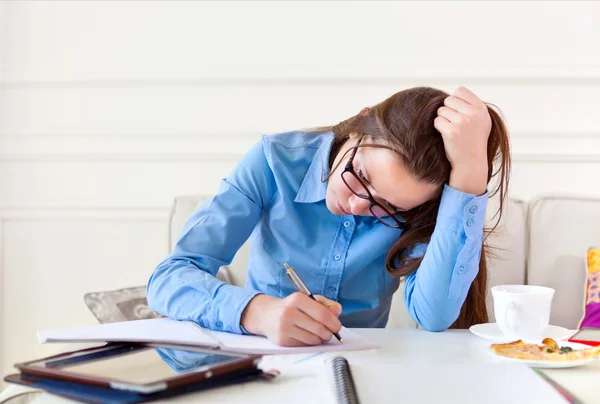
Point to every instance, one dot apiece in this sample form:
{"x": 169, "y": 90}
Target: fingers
{"x": 317, "y": 311}
{"x": 458, "y": 105}
{"x": 443, "y": 125}
{"x": 318, "y": 332}
{"x": 302, "y": 337}
{"x": 466, "y": 95}
{"x": 289, "y": 339}
{"x": 450, "y": 114}
{"x": 335, "y": 307}
{"x": 300, "y": 320}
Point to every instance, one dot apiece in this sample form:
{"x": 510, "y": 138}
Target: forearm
{"x": 184, "y": 286}
{"x": 470, "y": 179}
{"x": 435, "y": 293}
{"x": 180, "y": 290}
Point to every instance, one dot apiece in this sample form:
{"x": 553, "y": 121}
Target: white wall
{"x": 110, "y": 109}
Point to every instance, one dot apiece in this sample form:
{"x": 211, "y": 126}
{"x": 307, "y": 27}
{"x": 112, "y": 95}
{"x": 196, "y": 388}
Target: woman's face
{"x": 385, "y": 176}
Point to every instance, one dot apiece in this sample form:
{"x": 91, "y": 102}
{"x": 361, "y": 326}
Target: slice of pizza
{"x": 548, "y": 351}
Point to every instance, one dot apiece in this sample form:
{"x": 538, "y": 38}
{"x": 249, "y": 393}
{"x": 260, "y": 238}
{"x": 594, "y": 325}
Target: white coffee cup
{"x": 522, "y": 311}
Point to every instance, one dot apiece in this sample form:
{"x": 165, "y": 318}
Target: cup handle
{"x": 510, "y": 317}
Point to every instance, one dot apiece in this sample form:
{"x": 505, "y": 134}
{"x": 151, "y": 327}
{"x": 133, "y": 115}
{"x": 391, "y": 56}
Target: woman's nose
{"x": 359, "y": 206}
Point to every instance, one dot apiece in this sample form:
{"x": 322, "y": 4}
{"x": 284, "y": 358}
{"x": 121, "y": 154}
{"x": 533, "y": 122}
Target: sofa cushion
{"x": 561, "y": 229}
{"x": 120, "y": 305}
{"x": 183, "y": 207}
{"x": 507, "y": 252}
{"x": 507, "y": 265}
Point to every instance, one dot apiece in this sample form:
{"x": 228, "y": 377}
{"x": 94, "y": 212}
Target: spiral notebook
{"x": 465, "y": 383}
{"x": 342, "y": 382}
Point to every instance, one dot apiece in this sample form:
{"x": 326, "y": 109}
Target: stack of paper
{"x": 168, "y": 331}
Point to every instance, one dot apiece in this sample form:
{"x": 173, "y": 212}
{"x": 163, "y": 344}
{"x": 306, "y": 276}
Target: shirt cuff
{"x": 228, "y": 312}
{"x": 462, "y": 213}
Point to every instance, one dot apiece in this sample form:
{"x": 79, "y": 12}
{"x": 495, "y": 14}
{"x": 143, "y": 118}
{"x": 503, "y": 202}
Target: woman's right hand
{"x": 296, "y": 320}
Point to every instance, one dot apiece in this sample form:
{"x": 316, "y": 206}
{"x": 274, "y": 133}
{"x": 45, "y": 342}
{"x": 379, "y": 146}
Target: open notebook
{"x": 464, "y": 383}
{"x": 168, "y": 331}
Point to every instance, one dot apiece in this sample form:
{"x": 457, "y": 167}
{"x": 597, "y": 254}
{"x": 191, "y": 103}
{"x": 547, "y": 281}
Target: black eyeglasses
{"x": 360, "y": 189}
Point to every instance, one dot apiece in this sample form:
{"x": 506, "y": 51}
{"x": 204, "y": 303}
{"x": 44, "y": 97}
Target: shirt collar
{"x": 313, "y": 188}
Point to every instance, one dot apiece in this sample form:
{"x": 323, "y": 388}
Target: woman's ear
{"x": 365, "y": 112}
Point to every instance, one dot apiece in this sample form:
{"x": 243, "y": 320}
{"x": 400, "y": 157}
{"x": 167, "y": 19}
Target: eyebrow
{"x": 367, "y": 178}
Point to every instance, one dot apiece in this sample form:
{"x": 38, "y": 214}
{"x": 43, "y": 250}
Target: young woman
{"x": 399, "y": 190}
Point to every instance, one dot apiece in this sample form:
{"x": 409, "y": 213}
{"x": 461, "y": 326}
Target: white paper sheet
{"x": 446, "y": 383}
{"x": 185, "y": 332}
{"x": 154, "y": 330}
{"x": 261, "y": 345}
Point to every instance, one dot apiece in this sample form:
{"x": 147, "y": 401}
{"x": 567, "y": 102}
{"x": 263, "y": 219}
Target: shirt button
{"x": 461, "y": 270}
{"x": 332, "y": 289}
{"x": 346, "y": 224}
{"x": 473, "y": 209}
{"x": 219, "y": 324}
{"x": 470, "y": 222}
{"x": 337, "y": 257}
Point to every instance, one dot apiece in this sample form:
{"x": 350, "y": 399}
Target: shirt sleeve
{"x": 183, "y": 286}
{"x": 435, "y": 293}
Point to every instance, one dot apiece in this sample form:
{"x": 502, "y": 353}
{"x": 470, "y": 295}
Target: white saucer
{"x": 491, "y": 332}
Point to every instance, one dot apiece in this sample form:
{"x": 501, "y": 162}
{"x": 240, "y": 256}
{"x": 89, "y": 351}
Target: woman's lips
{"x": 341, "y": 208}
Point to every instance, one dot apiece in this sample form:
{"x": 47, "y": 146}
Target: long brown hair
{"x": 404, "y": 121}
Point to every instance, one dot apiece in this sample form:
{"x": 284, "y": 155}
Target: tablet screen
{"x": 588, "y": 334}
{"x": 139, "y": 364}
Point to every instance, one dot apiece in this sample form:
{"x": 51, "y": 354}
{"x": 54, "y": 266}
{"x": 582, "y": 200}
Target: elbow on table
{"x": 153, "y": 295}
{"x": 432, "y": 322}
{"x": 435, "y": 326}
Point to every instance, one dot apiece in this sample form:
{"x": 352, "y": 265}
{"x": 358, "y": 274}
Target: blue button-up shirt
{"x": 276, "y": 196}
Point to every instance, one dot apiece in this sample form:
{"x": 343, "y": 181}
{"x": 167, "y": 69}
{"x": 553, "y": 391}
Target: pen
{"x": 301, "y": 287}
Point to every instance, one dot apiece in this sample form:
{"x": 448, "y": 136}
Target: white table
{"x": 304, "y": 378}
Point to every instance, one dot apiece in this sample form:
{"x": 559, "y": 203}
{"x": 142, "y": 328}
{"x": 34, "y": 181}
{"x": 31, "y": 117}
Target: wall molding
{"x": 122, "y": 158}
{"x": 136, "y": 135}
{"x": 549, "y": 158}
{"x": 66, "y": 214}
{"x": 275, "y": 82}
{"x": 88, "y": 148}
{"x": 83, "y": 213}
{"x": 250, "y": 134}
{"x": 331, "y": 74}
{"x": 575, "y": 135}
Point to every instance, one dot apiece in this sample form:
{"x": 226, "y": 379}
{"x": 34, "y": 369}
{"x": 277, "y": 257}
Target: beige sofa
{"x": 541, "y": 242}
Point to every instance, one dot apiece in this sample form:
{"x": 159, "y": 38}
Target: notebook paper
{"x": 464, "y": 383}
{"x": 261, "y": 345}
{"x": 154, "y": 330}
{"x": 164, "y": 330}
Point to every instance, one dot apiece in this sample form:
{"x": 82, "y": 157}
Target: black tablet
{"x": 140, "y": 368}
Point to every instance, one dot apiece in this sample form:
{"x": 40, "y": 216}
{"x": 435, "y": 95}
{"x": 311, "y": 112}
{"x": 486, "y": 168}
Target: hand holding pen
{"x": 296, "y": 320}
{"x": 301, "y": 287}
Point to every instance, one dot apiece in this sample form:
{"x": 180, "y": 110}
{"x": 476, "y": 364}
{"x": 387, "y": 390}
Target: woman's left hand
{"x": 465, "y": 125}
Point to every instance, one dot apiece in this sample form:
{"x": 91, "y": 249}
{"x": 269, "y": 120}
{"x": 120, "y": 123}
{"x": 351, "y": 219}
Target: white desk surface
{"x": 303, "y": 377}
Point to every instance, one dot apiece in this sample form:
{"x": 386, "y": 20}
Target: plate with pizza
{"x": 547, "y": 354}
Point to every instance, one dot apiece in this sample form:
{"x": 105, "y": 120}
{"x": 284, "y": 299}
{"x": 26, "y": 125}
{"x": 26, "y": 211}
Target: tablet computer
{"x": 140, "y": 368}
{"x": 587, "y": 335}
